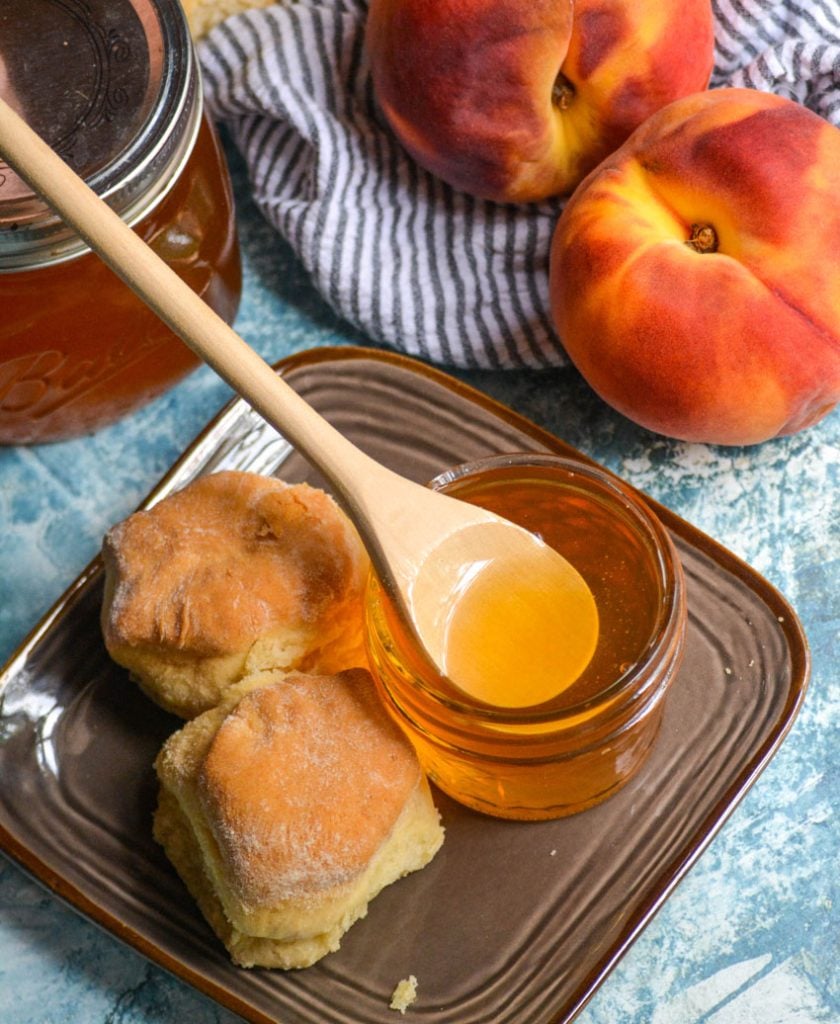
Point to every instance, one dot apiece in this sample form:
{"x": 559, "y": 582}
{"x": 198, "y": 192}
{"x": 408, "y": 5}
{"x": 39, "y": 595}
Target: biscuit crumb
{"x": 404, "y": 994}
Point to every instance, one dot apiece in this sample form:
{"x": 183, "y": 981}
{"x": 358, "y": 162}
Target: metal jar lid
{"x": 112, "y": 86}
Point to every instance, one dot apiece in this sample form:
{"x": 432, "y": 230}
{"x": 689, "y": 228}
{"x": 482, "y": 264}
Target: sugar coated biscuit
{"x": 236, "y": 573}
{"x": 287, "y": 808}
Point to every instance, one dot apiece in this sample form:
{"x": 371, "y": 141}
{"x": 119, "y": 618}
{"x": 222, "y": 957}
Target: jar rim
{"x": 140, "y": 171}
{"x": 666, "y": 629}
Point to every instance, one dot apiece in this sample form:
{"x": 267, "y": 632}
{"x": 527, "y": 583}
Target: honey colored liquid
{"x": 597, "y": 748}
{"x": 612, "y": 559}
{"x": 610, "y": 556}
{"x": 78, "y": 349}
{"x": 520, "y": 630}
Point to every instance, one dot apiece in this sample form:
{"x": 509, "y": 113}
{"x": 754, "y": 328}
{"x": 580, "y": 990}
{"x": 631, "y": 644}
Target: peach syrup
{"x": 498, "y": 732}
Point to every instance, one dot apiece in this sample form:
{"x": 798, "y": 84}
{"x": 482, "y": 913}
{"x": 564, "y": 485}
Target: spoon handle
{"x": 355, "y": 477}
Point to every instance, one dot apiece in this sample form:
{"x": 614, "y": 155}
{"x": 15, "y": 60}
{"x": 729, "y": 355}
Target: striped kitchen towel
{"x": 413, "y": 263}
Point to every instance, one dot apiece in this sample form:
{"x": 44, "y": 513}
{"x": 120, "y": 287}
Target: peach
{"x": 515, "y": 100}
{"x": 695, "y": 274}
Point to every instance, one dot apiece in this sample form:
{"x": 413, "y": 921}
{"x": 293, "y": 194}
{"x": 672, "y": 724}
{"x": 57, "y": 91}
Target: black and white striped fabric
{"x": 414, "y": 264}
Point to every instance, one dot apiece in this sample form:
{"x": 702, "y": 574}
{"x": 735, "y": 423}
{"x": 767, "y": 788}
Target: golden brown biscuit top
{"x": 218, "y": 564}
{"x": 303, "y": 782}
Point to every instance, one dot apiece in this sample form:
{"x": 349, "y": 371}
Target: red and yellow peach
{"x": 695, "y": 274}
{"x": 515, "y": 100}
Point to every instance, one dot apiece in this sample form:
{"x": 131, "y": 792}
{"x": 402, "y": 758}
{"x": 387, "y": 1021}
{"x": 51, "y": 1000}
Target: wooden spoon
{"x": 425, "y": 546}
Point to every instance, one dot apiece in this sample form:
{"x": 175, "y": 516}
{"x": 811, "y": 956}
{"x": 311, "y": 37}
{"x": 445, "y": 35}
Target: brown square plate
{"x": 512, "y": 921}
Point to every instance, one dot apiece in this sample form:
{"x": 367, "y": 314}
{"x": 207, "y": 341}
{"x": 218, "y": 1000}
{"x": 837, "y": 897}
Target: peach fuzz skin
{"x": 734, "y": 345}
{"x": 515, "y": 100}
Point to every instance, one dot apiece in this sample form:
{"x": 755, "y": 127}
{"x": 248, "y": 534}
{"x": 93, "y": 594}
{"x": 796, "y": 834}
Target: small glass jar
{"x": 576, "y": 750}
{"x": 113, "y": 86}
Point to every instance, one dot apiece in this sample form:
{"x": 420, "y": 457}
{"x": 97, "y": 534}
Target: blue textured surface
{"x": 751, "y": 935}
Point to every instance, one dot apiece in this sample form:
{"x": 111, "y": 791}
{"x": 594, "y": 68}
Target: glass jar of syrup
{"x": 571, "y": 752}
{"x": 113, "y": 86}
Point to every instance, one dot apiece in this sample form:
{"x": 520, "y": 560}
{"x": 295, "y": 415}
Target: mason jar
{"x": 113, "y": 86}
{"x": 579, "y": 748}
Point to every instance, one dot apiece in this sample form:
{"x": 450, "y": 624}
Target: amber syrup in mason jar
{"x": 68, "y": 364}
{"x": 589, "y": 740}
{"x": 77, "y": 348}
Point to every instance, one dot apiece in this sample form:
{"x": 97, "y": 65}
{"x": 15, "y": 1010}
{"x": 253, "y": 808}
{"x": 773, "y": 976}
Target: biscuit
{"x": 234, "y": 574}
{"x": 288, "y": 808}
